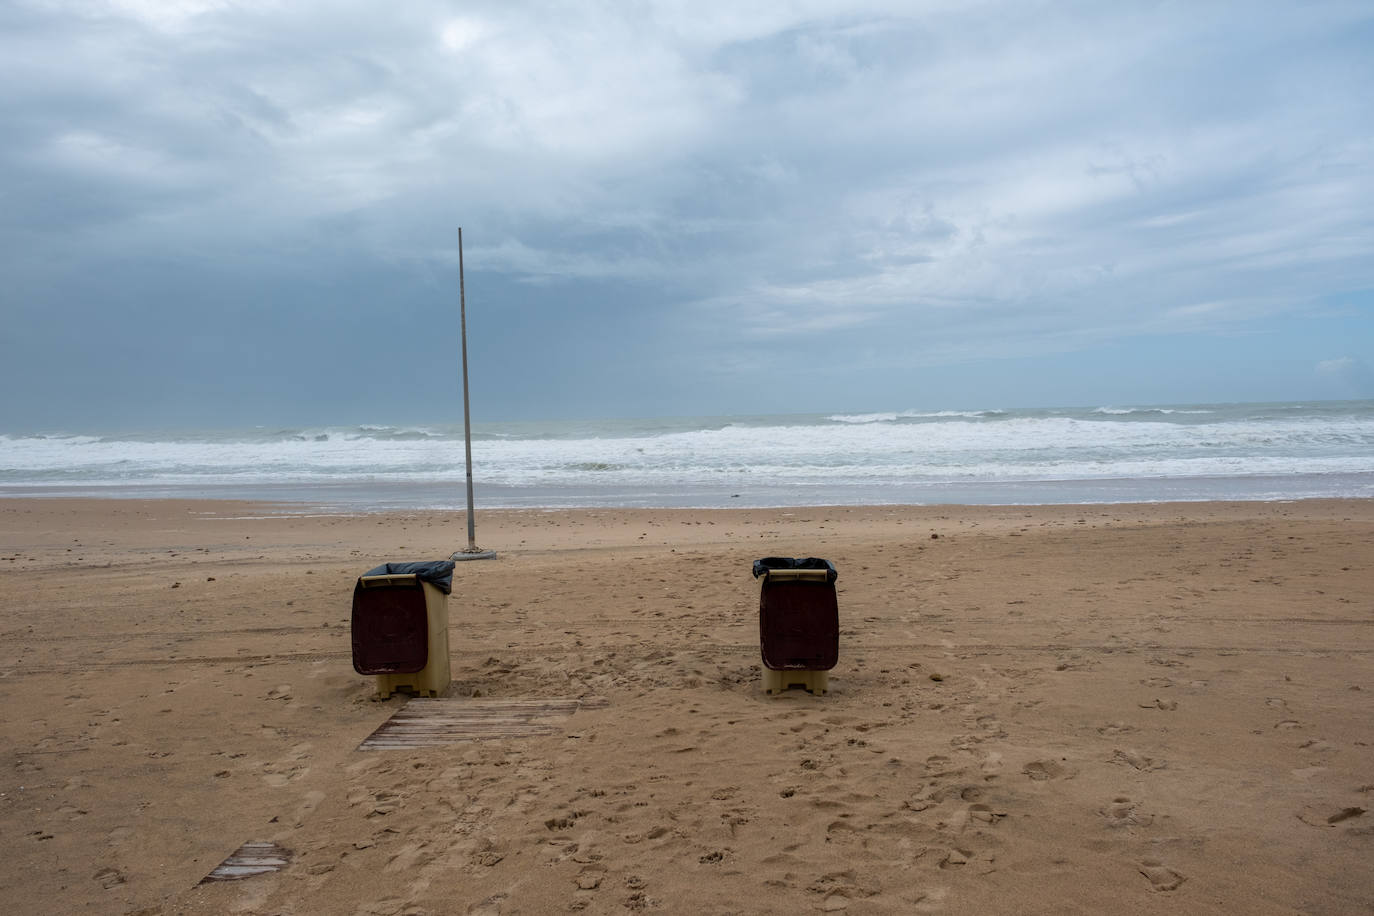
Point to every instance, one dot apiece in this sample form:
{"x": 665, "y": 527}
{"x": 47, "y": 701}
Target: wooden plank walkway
{"x": 437, "y": 722}
{"x": 250, "y": 859}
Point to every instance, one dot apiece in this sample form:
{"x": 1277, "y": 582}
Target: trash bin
{"x": 400, "y": 626}
{"x": 799, "y": 622}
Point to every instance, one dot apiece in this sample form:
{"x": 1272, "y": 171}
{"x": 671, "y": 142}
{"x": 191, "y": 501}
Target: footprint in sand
{"x": 985, "y": 814}
{"x": 837, "y": 889}
{"x": 991, "y": 765}
{"x": 407, "y": 857}
{"x": 1317, "y": 745}
{"x": 590, "y": 878}
{"x": 927, "y": 900}
{"x": 1162, "y": 878}
{"x": 279, "y": 780}
{"x": 1122, "y": 812}
{"x": 1166, "y": 705}
{"x": 1136, "y": 760}
{"x": 109, "y": 877}
{"x": 1040, "y": 770}
{"x": 488, "y": 851}
{"x": 938, "y": 765}
{"x": 489, "y": 907}
{"x": 956, "y": 858}
{"x": 1320, "y": 818}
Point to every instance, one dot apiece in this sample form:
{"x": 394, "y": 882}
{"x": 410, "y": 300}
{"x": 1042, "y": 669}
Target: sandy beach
{"x": 1062, "y": 709}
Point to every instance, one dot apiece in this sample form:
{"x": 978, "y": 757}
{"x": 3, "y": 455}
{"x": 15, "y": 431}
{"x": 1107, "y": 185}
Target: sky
{"x": 218, "y": 213}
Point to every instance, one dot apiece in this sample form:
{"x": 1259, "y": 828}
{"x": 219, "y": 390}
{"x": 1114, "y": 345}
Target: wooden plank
{"x": 425, "y": 722}
{"x": 444, "y": 705}
{"x": 253, "y": 858}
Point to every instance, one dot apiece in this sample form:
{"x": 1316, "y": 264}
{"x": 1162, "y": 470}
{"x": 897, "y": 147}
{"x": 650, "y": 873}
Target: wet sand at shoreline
{"x": 1057, "y": 709}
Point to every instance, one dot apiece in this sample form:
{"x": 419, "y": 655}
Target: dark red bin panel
{"x": 799, "y": 625}
{"x": 390, "y": 629}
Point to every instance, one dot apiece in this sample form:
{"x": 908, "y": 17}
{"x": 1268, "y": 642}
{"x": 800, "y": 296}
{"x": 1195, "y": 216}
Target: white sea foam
{"x": 865, "y": 417}
{"x": 869, "y": 455}
{"x": 1140, "y": 411}
{"x": 912, "y": 415}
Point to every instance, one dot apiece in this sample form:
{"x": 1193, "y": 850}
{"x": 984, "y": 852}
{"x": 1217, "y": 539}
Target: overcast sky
{"x": 227, "y": 212}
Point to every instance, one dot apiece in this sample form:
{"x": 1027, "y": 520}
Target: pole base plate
{"x": 473, "y": 555}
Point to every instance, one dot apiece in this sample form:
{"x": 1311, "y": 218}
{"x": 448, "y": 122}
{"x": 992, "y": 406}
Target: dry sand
{"x": 1134, "y": 709}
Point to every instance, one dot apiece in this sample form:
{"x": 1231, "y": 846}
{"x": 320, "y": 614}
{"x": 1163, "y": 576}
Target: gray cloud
{"x": 954, "y": 181}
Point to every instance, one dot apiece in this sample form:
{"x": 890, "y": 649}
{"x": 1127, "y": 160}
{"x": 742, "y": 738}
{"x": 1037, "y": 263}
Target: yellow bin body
{"x": 798, "y": 627}
{"x": 810, "y": 680}
{"x": 400, "y": 634}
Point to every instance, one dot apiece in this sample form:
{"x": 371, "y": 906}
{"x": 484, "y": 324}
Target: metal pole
{"x": 467, "y": 411}
{"x": 473, "y": 552}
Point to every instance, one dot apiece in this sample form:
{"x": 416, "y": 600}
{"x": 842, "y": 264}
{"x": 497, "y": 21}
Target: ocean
{"x": 1098, "y": 454}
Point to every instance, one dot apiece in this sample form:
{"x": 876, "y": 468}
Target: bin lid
{"x": 438, "y": 573}
{"x": 767, "y": 563}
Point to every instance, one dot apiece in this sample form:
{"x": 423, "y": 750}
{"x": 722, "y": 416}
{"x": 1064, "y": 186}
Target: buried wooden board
{"x": 436, "y": 722}
{"x": 250, "y": 859}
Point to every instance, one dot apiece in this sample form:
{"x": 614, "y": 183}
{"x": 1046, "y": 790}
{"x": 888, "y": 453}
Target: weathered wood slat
{"x": 427, "y": 705}
{"x": 256, "y": 858}
{"x": 401, "y": 734}
{"x": 460, "y": 729}
{"x": 459, "y": 717}
{"x": 426, "y": 722}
